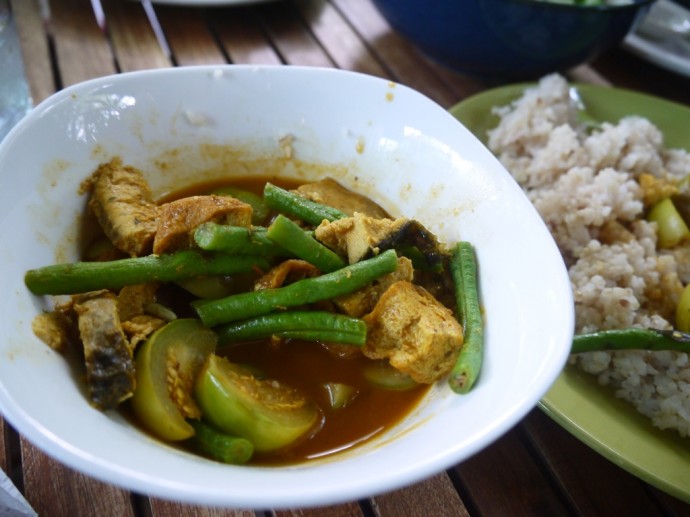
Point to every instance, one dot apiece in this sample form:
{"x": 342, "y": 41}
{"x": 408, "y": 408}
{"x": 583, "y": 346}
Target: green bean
{"x": 237, "y": 240}
{"x": 294, "y": 205}
{"x": 219, "y": 445}
{"x": 303, "y": 245}
{"x": 463, "y": 264}
{"x": 326, "y": 327}
{"x": 310, "y": 290}
{"x": 631, "y": 339}
{"x": 80, "y": 277}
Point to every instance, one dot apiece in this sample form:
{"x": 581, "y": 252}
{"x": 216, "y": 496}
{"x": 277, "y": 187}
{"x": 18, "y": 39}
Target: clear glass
{"x": 15, "y": 98}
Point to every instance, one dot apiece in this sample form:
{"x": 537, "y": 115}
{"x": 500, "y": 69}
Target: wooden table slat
{"x": 352, "y": 509}
{"x": 291, "y": 38}
{"x": 163, "y": 508}
{"x": 133, "y": 40}
{"x": 189, "y": 37}
{"x": 433, "y": 496}
{"x": 81, "y": 47}
{"x": 4, "y": 447}
{"x": 54, "y": 489}
{"x": 243, "y": 38}
{"x": 509, "y": 463}
{"x": 339, "y": 39}
{"x": 582, "y": 472}
{"x": 401, "y": 58}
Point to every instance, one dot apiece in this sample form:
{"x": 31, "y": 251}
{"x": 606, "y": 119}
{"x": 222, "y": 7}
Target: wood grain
{"x": 82, "y": 50}
{"x": 433, "y": 496}
{"x": 189, "y": 37}
{"x": 342, "y": 510}
{"x": 339, "y": 39}
{"x": 56, "y": 490}
{"x": 582, "y": 473}
{"x": 505, "y": 479}
{"x": 404, "y": 62}
{"x": 290, "y": 36}
{"x": 162, "y": 508}
{"x": 132, "y": 39}
{"x": 243, "y": 39}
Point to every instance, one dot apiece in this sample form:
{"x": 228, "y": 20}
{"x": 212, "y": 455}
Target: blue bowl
{"x": 511, "y": 38}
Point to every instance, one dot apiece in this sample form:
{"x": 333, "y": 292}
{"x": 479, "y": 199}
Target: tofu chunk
{"x": 53, "y": 328}
{"x": 285, "y": 273}
{"x": 177, "y": 219}
{"x": 358, "y": 235}
{"x": 416, "y": 333}
{"x": 364, "y": 300}
{"x": 122, "y": 202}
{"x": 331, "y": 193}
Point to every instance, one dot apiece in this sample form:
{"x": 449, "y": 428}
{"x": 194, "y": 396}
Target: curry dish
{"x": 255, "y": 320}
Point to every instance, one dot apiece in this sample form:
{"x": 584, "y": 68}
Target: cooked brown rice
{"x": 586, "y": 185}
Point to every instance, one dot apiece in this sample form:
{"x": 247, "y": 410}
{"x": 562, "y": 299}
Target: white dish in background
{"x": 663, "y": 37}
{"x": 665, "y": 19}
{"x": 381, "y": 138}
{"x": 210, "y": 3}
{"x": 673, "y": 55}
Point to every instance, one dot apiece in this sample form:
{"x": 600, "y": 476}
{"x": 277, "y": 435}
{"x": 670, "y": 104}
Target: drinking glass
{"x": 15, "y": 99}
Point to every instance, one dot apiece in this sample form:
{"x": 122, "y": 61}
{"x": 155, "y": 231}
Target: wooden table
{"x": 535, "y": 469}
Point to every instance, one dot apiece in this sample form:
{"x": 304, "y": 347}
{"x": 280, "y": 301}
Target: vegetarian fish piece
{"x": 108, "y": 357}
{"x": 416, "y": 333}
{"x": 122, "y": 201}
{"x": 357, "y": 236}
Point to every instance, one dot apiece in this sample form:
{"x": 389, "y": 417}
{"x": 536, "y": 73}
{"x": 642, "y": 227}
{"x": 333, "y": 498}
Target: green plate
{"x": 576, "y": 401}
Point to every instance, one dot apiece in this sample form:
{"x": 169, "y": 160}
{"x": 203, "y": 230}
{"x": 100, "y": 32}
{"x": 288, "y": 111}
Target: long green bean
{"x": 237, "y": 240}
{"x": 291, "y": 204}
{"x": 465, "y": 371}
{"x": 321, "y": 326}
{"x": 631, "y": 339}
{"x": 310, "y": 290}
{"x": 292, "y": 237}
{"x": 219, "y": 445}
{"x": 80, "y": 277}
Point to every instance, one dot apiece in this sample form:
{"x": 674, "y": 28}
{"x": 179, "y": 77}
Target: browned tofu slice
{"x": 285, "y": 273}
{"x": 331, "y": 193}
{"x": 416, "y": 333}
{"x": 177, "y": 219}
{"x": 140, "y": 327}
{"x": 364, "y": 300}
{"x": 122, "y": 202}
{"x": 53, "y": 328}
{"x": 133, "y": 299}
{"x": 358, "y": 235}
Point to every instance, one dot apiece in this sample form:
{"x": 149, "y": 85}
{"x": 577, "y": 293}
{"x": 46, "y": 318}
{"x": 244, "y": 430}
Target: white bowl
{"x": 377, "y": 137}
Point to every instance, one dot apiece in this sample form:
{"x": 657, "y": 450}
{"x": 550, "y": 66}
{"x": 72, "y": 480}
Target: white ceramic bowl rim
{"x": 386, "y": 138}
